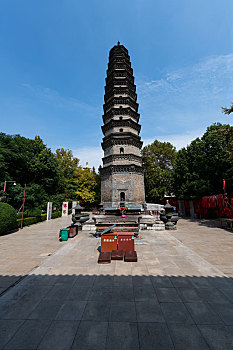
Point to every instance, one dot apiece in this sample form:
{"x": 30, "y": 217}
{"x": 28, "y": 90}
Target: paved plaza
{"x": 179, "y": 295}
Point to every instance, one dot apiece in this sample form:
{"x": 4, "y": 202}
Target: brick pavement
{"x": 172, "y": 298}
{"x": 24, "y": 250}
{"x": 210, "y": 241}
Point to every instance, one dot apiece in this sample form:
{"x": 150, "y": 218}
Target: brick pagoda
{"x": 122, "y": 177}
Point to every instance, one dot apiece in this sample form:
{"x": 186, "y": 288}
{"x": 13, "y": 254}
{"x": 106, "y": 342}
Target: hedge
{"x": 28, "y": 221}
{"x": 35, "y": 219}
{"x": 56, "y": 214}
{"x": 8, "y": 217}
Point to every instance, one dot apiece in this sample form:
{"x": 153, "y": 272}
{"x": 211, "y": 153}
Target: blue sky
{"x": 54, "y": 55}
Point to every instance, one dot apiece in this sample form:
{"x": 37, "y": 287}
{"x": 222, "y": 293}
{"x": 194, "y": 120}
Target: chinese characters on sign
{"x": 65, "y": 209}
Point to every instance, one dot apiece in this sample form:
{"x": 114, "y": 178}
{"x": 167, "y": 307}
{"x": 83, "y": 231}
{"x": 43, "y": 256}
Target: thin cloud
{"x": 53, "y": 97}
{"x": 177, "y": 140}
{"x": 188, "y": 98}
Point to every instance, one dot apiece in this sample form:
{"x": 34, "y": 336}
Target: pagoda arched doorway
{"x": 122, "y": 197}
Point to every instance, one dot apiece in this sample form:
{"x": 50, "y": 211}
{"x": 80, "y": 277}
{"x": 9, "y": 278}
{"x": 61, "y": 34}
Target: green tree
{"x": 88, "y": 183}
{"x": 29, "y": 161}
{"x": 68, "y": 165}
{"x": 158, "y": 160}
{"x": 201, "y": 167}
{"x": 7, "y": 218}
{"x": 227, "y": 110}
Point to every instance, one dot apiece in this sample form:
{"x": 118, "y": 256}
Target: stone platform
{"x": 131, "y": 223}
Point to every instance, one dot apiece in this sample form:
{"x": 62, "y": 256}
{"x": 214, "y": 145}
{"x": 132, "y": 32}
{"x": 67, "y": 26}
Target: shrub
{"x": 33, "y": 212}
{"x": 43, "y": 217}
{"x": 56, "y": 214}
{"x": 8, "y": 217}
{"x": 28, "y": 221}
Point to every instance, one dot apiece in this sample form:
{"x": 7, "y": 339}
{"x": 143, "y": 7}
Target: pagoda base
{"x": 122, "y": 187}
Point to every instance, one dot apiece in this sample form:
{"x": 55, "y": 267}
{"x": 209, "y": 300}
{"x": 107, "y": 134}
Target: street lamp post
{"x": 14, "y": 183}
{"x": 4, "y": 189}
{"x": 23, "y": 204}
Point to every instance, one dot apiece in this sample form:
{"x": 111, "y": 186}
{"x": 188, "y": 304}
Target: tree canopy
{"x": 49, "y": 176}
{"x": 88, "y": 185}
{"x": 158, "y": 160}
{"x": 228, "y": 110}
{"x": 201, "y": 167}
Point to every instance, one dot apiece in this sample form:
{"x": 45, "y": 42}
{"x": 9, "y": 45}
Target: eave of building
{"x": 118, "y": 123}
{"x": 120, "y": 111}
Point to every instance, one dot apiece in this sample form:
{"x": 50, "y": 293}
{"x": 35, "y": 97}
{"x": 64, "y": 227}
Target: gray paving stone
{"x": 83, "y": 280}
{"x": 20, "y": 309}
{"x": 154, "y": 336}
{"x": 200, "y": 282}
{"x": 7, "y": 281}
{"x": 218, "y": 337}
{"x": 221, "y": 282}
{"x": 59, "y": 336}
{"x": 78, "y": 292}
{"x": 7, "y": 329}
{"x": 6, "y": 306}
{"x": 167, "y": 295}
{"x": 58, "y": 292}
{"x": 122, "y": 293}
{"x": 228, "y": 292}
{"x": 187, "y": 337}
{"x": 103, "y": 281}
{"x": 96, "y": 311}
{"x": 71, "y": 310}
{"x": 161, "y": 282}
{"x": 189, "y": 294}
{"x": 123, "y": 281}
{"x": 180, "y": 281}
{"x": 67, "y": 279}
{"x": 225, "y": 311}
{"x": 176, "y": 313}
{"x": 26, "y": 291}
{"x": 122, "y": 336}
{"x": 44, "y": 280}
{"x": 90, "y": 335}
{"x": 143, "y": 293}
{"x": 46, "y": 310}
{"x": 212, "y": 295}
{"x": 29, "y": 335}
{"x": 148, "y": 311}
{"x": 123, "y": 312}
{"x": 141, "y": 280}
{"x": 202, "y": 313}
{"x": 100, "y": 294}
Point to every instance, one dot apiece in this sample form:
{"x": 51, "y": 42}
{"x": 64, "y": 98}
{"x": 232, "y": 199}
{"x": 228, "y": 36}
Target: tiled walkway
{"x": 210, "y": 241}
{"x": 24, "y": 250}
{"x": 171, "y": 299}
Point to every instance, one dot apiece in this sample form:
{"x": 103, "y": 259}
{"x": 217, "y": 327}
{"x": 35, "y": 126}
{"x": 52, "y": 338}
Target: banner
{"x": 65, "y": 209}
{"x": 74, "y": 203}
{"x": 49, "y": 210}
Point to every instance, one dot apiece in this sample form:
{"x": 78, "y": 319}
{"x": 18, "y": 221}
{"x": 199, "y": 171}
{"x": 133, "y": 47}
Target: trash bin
{"x": 72, "y": 232}
{"x": 108, "y": 242}
{"x": 126, "y": 241}
{"x": 63, "y": 234}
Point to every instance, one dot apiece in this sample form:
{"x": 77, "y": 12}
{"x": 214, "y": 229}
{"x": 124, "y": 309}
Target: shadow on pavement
{"x": 117, "y": 312}
{"x": 212, "y": 223}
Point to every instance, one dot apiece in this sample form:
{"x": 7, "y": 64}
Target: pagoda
{"x": 122, "y": 175}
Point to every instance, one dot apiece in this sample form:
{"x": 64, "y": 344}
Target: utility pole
{"x": 23, "y": 204}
